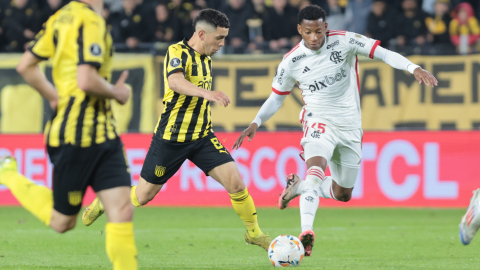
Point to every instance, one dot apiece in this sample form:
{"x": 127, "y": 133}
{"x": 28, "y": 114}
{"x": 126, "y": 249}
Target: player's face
{"x": 215, "y": 40}
{"x": 313, "y": 33}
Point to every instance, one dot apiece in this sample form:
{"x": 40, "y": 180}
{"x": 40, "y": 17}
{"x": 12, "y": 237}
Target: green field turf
{"x": 212, "y": 238}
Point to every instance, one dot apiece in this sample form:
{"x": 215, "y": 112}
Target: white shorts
{"x": 341, "y": 148}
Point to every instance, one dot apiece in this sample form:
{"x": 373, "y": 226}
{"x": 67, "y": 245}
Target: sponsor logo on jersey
{"x": 306, "y": 69}
{"x": 296, "y": 58}
{"x": 327, "y": 80}
{"x": 332, "y": 45}
{"x": 175, "y": 62}
{"x": 336, "y": 57}
{"x": 356, "y": 42}
{"x": 280, "y": 76}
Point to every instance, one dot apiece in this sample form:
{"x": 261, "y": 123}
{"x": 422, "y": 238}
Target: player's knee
{"x": 236, "y": 185}
{"x": 64, "y": 226}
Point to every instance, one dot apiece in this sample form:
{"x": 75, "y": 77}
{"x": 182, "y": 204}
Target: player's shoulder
{"x": 177, "y": 47}
{"x": 294, "y": 55}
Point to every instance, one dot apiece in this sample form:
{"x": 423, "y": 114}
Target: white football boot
{"x": 471, "y": 220}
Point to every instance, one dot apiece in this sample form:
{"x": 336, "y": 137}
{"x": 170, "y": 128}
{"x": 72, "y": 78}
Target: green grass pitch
{"x": 212, "y": 238}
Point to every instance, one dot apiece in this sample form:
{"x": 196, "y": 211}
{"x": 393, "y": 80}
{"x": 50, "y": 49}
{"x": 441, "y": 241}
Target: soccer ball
{"x": 286, "y": 251}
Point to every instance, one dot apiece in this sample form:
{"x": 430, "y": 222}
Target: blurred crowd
{"x": 265, "y": 26}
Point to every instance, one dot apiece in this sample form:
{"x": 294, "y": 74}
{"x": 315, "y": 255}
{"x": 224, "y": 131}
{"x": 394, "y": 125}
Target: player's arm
{"x": 93, "y": 84}
{"x": 398, "y": 61}
{"x": 179, "y": 84}
{"x": 31, "y": 73}
{"x": 282, "y": 86}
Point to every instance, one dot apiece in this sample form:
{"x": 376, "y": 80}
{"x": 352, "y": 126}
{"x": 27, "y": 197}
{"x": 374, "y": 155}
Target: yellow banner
{"x": 22, "y": 109}
{"x": 391, "y": 99}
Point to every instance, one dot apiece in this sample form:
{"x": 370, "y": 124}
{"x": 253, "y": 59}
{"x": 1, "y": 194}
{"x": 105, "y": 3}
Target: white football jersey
{"x": 327, "y": 77}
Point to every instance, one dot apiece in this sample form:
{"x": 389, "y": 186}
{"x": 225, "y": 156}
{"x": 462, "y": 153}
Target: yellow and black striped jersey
{"x": 185, "y": 118}
{"x": 73, "y": 36}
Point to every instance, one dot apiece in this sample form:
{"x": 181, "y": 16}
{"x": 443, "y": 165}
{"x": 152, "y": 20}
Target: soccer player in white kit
{"x": 324, "y": 65}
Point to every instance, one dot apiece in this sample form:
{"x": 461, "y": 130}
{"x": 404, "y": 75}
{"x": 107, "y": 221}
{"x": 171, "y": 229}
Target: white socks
{"x": 310, "y": 190}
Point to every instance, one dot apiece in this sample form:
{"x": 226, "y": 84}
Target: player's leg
{"x": 228, "y": 175}
{"x": 111, "y": 181}
{"x": 39, "y": 200}
{"x": 215, "y": 160}
{"x": 470, "y": 222}
{"x": 162, "y": 161}
{"x": 119, "y": 239}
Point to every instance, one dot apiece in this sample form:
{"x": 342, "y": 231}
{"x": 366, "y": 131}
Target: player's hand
{"x": 122, "y": 90}
{"x": 53, "y": 104}
{"x": 217, "y": 96}
{"x": 249, "y": 132}
{"x": 425, "y": 76}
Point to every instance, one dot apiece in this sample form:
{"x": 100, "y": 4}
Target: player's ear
{"x": 201, "y": 34}
{"x": 299, "y": 29}
{"x": 326, "y": 26}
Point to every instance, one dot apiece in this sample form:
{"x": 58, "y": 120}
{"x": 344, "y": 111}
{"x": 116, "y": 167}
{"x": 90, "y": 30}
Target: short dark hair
{"x": 311, "y": 13}
{"x": 212, "y": 17}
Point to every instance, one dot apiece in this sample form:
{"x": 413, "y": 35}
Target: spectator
{"x": 464, "y": 28}
{"x": 381, "y": 22}
{"x": 411, "y": 27}
{"x": 304, "y": 3}
{"x": 256, "y": 25}
{"x": 180, "y": 10}
{"x": 356, "y": 15}
{"x": 21, "y": 24}
{"x": 281, "y": 25}
{"x": 335, "y": 15}
{"x": 429, "y": 6}
{"x": 132, "y": 25}
{"x": 167, "y": 28}
{"x": 437, "y": 24}
{"x": 238, "y": 12}
{"x": 49, "y": 9}
{"x": 188, "y": 27}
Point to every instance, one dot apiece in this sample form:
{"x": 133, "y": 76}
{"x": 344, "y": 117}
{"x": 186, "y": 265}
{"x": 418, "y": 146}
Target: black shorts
{"x": 164, "y": 158}
{"x": 101, "y": 166}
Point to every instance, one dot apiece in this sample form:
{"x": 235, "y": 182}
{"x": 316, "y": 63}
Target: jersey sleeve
{"x": 91, "y": 41}
{"x": 360, "y": 44}
{"x": 42, "y": 46}
{"x": 175, "y": 60}
{"x": 283, "y": 82}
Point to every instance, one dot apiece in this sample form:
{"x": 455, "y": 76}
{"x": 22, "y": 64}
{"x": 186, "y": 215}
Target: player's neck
{"x": 196, "y": 44}
{"x": 96, "y": 5}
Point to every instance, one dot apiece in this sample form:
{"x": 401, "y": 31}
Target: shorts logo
{"x": 159, "y": 171}
{"x": 316, "y": 134}
{"x": 75, "y": 198}
{"x": 95, "y": 49}
{"x": 175, "y": 62}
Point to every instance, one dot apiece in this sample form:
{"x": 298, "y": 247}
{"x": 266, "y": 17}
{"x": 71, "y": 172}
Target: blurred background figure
{"x": 381, "y": 22}
{"x": 22, "y": 24}
{"x": 438, "y": 24}
{"x": 464, "y": 28}
{"x": 256, "y": 25}
{"x": 281, "y": 26}
{"x": 188, "y": 30}
{"x": 335, "y": 15}
{"x": 356, "y": 15}
{"x": 167, "y": 27}
{"x": 49, "y": 9}
{"x": 133, "y": 24}
{"x": 238, "y": 12}
{"x": 411, "y": 27}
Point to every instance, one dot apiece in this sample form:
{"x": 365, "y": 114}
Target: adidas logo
{"x": 306, "y": 69}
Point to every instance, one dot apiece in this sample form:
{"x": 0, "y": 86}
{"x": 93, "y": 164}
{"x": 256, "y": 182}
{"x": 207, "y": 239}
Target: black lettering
{"x": 445, "y": 99}
{"x": 377, "y": 91}
{"x": 400, "y": 76}
{"x": 475, "y": 71}
{"x": 448, "y": 126}
{"x": 411, "y": 125}
{"x": 240, "y": 87}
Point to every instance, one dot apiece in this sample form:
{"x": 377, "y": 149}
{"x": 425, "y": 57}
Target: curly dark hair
{"x": 212, "y": 17}
{"x": 311, "y": 13}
